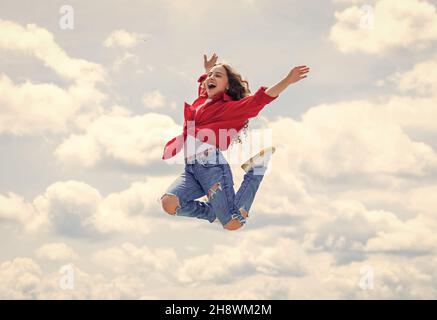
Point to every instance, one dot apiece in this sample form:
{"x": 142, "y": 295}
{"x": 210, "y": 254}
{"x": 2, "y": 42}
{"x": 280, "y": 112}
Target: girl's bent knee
{"x": 170, "y": 203}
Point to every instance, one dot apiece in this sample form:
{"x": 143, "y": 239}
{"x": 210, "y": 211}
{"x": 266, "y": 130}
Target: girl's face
{"x": 217, "y": 81}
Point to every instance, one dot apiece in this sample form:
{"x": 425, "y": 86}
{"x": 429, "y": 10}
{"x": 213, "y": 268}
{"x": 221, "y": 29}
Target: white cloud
{"x": 404, "y": 278}
{"x": 421, "y": 79}
{"x": 415, "y": 236}
{"x": 76, "y": 209}
{"x": 349, "y": 230}
{"x": 400, "y": 277}
{"x": 410, "y": 24}
{"x": 13, "y": 208}
{"x": 123, "y": 60}
{"x": 19, "y": 279}
{"x": 134, "y": 140}
{"x": 421, "y": 200}
{"x": 128, "y": 257}
{"x": 70, "y": 207}
{"x": 124, "y": 39}
{"x": 29, "y": 108}
{"x": 154, "y": 99}
{"x": 244, "y": 258}
{"x": 79, "y": 150}
{"x": 39, "y": 43}
{"x": 134, "y": 209}
{"x": 56, "y": 251}
{"x": 23, "y": 278}
{"x": 354, "y": 137}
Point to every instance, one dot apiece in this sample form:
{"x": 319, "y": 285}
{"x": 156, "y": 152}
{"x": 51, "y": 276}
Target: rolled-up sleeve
{"x": 201, "y": 89}
{"x": 250, "y": 106}
{"x": 262, "y": 97}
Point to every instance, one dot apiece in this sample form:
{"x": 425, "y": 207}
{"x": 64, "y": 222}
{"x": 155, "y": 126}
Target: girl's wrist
{"x": 288, "y": 81}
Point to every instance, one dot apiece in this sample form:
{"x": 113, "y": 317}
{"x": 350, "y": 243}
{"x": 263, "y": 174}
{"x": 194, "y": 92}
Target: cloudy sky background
{"x": 348, "y": 209}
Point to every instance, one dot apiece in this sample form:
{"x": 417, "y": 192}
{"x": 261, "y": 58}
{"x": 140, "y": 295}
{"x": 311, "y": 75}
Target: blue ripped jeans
{"x": 211, "y": 175}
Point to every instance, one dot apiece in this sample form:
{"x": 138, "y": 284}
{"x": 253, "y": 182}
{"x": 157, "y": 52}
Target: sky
{"x": 90, "y": 92}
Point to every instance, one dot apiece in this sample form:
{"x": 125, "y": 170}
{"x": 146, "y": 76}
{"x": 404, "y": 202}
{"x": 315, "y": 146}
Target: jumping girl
{"x": 224, "y": 105}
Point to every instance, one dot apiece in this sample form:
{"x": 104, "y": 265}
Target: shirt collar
{"x": 222, "y": 96}
{"x": 226, "y": 97}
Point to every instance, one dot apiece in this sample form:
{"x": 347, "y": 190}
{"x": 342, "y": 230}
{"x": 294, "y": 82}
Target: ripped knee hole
{"x": 213, "y": 190}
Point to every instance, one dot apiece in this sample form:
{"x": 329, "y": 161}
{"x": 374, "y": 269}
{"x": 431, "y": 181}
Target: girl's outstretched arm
{"x": 296, "y": 74}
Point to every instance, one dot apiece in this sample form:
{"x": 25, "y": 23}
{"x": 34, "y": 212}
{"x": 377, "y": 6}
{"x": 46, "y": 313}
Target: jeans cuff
{"x": 239, "y": 217}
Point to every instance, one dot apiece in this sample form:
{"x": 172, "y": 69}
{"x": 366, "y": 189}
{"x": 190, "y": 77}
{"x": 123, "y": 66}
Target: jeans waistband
{"x": 203, "y": 154}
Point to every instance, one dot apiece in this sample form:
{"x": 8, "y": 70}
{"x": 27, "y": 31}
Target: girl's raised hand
{"x": 208, "y": 64}
{"x": 297, "y": 73}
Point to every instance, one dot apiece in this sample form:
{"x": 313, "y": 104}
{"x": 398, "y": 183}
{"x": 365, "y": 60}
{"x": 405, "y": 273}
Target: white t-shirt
{"x": 199, "y": 146}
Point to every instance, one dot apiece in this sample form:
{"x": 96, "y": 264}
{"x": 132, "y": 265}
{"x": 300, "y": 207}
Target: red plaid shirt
{"x": 220, "y": 113}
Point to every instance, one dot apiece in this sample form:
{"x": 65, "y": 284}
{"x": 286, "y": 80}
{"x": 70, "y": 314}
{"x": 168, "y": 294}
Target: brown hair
{"x": 238, "y": 89}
